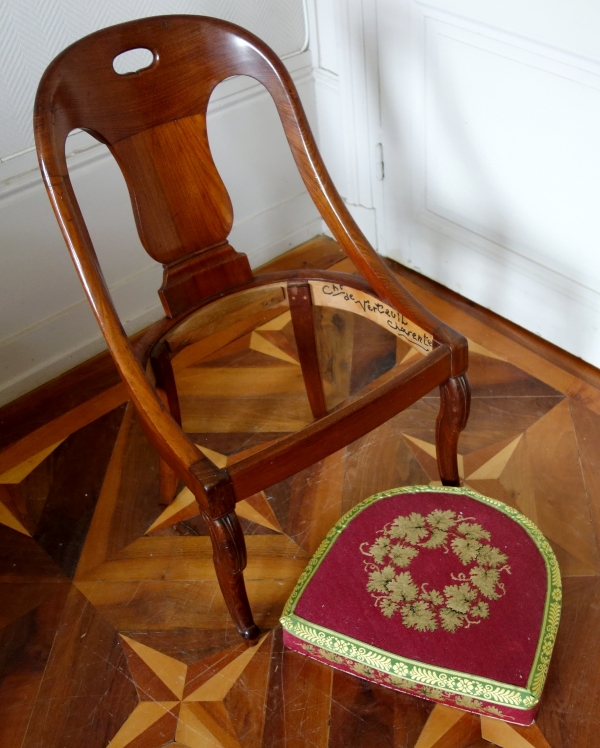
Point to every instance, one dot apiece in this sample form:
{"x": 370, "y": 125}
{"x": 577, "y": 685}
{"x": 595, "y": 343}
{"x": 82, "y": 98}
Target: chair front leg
{"x": 229, "y": 556}
{"x": 455, "y": 402}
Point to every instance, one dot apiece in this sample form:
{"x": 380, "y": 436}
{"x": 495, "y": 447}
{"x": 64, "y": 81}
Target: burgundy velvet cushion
{"x": 440, "y": 592}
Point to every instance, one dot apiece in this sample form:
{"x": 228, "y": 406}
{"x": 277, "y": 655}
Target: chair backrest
{"x": 154, "y": 122}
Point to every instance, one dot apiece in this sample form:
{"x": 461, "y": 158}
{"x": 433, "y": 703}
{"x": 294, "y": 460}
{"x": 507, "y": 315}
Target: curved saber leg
{"x": 229, "y": 556}
{"x": 455, "y": 402}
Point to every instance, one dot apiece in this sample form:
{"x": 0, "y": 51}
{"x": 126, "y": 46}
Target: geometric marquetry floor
{"x": 112, "y": 628}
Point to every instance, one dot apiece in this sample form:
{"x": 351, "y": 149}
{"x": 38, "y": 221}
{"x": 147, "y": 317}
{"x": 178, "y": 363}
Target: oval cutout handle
{"x": 133, "y": 61}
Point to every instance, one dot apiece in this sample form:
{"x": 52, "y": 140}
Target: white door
{"x": 490, "y": 125}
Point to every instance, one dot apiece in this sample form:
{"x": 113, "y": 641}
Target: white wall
{"x": 488, "y": 117}
{"x": 344, "y": 49}
{"x": 46, "y": 326}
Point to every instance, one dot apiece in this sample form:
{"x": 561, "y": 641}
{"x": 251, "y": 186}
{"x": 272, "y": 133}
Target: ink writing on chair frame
{"x": 394, "y": 320}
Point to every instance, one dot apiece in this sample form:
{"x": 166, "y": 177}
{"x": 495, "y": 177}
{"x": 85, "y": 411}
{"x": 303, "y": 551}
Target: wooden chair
{"x": 154, "y": 123}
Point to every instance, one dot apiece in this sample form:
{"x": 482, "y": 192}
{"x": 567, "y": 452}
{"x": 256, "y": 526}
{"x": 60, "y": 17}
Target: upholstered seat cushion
{"x": 439, "y": 592}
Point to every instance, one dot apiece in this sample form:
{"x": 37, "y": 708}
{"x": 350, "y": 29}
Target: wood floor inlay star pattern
{"x": 113, "y": 631}
{"x": 180, "y": 701}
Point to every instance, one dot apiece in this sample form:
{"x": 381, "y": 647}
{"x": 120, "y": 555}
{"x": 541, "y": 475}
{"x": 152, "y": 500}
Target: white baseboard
{"x": 56, "y": 344}
{"x": 533, "y": 296}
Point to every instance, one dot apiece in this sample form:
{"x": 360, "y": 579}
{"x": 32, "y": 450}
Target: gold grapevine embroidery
{"x": 412, "y": 675}
{"x": 477, "y": 582}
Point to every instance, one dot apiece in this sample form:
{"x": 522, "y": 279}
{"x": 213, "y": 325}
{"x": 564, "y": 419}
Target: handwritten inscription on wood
{"x": 343, "y": 297}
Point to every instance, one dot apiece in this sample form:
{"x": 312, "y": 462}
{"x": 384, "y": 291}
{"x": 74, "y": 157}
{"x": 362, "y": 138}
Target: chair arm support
{"x": 164, "y": 434}
{"x": 347, "y": 422}
{"x": 345, "y": 230}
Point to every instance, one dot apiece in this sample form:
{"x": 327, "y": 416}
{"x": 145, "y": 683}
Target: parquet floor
{"x": 112, "y": 628}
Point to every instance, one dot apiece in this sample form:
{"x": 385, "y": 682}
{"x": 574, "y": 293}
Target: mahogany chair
{"x": 154, "y": 123}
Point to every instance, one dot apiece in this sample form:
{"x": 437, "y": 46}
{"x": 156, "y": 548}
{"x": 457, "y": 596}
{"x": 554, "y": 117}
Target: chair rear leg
{"x": 160, "y": 360}
{"x": 301, "y": 308}
{"x": 166, "y": 387}
{"x": 167, "y": 483}
{"x": 455, "y": 402}
{"x": 229, "y": 556}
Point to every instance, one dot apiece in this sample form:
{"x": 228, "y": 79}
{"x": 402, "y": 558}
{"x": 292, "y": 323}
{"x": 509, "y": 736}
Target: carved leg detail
{"x": 229, "y": 555}
{"x": 455, "y": 401}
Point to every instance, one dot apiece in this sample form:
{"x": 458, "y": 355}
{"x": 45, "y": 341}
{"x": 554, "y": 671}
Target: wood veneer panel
{"x": 128, "y": 501}
{"x": 373, "y": 352}
{"x": 55, "y": 398}
{"x": 410, "y": 716}
{"x": 512, "y": 736}
{"x": 587, "y": 430}
{"x": 158, "y": 732}
{"x": 173, "y": 558}
{"x": 255, "y": 381}
{"x": 86, "y": 692}
{"x": 95, "y": 548}
{"x": 377, "y": 462}
{"x": 147, "y": 682}
{"x": 253, "y": 307}
{"x": 238, "y": 353}
{"x": 155, "y": 605}
{"x": 334, "y": 332}
{"x": 284, "y": 343}
{"x": 570, "y": 708}
{"x": 22, "y": 559}
{"x": 187, "y": 645}
{"x": 493, "y": 420}
{"x": 25, "y": 646}
{"x": 267, "y": 413}
{"x": 315, "y": 501}
{"x": 489, "y": 462}
{"x": 19, "y": 598}
{"x": 491, "y": 377}
{"x": 80, "y": 466}
{"x": 306, "y": 692}
{"x": 362, "y": 713}
{"x": 320, "y": 252}
{"x": 61, "y": 427}
{"x": 545, "y": 475}
{"x": 246, "y": 700}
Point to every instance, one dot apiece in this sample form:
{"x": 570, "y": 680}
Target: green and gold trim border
{"x": 418, "y": 673}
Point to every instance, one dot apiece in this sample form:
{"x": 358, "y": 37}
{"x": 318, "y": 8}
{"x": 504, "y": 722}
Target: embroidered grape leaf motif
{"x": 419, "y": 616}
{"x": 421, "y": 608}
